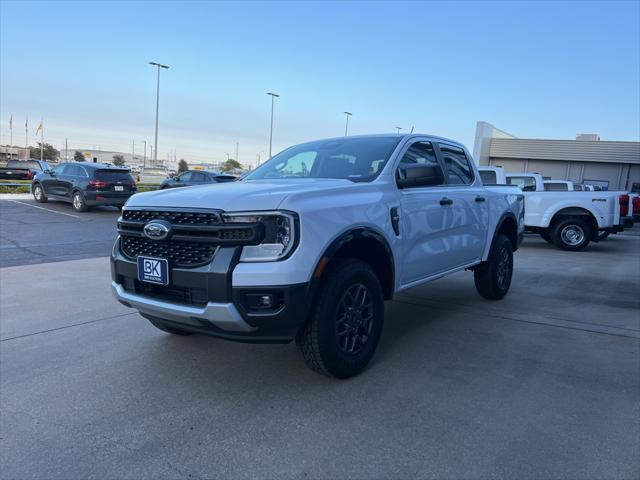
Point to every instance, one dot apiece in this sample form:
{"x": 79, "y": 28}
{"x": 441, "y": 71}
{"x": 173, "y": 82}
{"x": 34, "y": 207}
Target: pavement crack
{"x": 19, "y": 247}
{"x": 88, "y": 322}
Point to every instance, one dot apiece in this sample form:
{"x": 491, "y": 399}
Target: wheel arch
{"x": 576, "y": 212}
{"x": 507, "y": 225}
{"x": 367, "y": 245}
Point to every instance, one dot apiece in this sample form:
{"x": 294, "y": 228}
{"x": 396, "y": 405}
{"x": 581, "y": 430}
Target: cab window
{"x": 526, "y": 184}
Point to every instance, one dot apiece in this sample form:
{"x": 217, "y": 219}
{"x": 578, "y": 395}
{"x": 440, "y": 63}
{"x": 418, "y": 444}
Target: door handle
{"x": 480, "y": 199}
{"x": 446, "y": 201}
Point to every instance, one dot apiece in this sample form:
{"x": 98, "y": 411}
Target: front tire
{"x": 78, "y": 202}
{"x": 342, "y": 334}
{"x": 38, "y": 194}
{"x": 571, "y": 234}
{"x": 493, "y": 277}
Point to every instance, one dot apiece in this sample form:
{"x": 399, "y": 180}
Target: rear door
{"x": 468, "y": 215}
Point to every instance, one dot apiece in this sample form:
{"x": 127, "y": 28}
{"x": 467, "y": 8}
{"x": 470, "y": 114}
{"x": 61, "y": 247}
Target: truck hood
{"x": 236, "y": 196}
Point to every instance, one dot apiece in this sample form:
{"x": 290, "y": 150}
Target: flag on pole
{"x": 39, "y": 128}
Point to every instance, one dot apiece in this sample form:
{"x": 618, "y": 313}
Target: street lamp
{"x": 273, "y": 97}
{"x": 258, "y": 158}
{"x": 159, "y": 65}
{"x": 399, "y": 128}
{"x": 346, "y": 127}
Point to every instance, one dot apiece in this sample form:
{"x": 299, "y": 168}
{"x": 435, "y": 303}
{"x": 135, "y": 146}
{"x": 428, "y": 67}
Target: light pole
{"x": 258, "y": 158}
{"x": 144, "y": 157}
{"x": 399, "y": 128}
{"x": 159, "y": 65}
{"x": 273, "y": 97}
{"x": 346, "y": 127}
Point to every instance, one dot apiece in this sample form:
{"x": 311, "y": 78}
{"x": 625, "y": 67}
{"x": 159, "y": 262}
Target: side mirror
{"x": 51, "y": 172}
{"x": 419, "y": 175}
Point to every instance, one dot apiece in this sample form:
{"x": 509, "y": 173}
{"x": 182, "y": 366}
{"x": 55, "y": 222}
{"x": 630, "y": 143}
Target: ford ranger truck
{"x": 309, "y": 245}
{"x": 567, "y": 219}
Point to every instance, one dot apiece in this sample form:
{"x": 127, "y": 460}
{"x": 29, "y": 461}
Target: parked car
{"x": 23, "y": 169}
{"x": 310, "y": 244}
{"x": 567, "y": 219}
{"x": 153, "y": 175}
{"x": 84, "y": 185}
{"x": 196, "y": 177}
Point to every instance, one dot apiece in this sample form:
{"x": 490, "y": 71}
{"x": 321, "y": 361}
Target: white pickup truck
{"x": 568, "y": 219}
{"x": 309, "y": 245}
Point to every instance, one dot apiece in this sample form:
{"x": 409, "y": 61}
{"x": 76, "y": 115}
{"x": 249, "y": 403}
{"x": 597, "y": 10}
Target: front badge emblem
{"x": 156, "y": 230}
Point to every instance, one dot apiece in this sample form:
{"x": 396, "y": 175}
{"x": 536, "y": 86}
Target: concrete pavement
{"x": 544, "y": 384}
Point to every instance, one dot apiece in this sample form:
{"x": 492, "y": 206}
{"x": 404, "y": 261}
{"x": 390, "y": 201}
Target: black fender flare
{"x": 343, "y": 239}
{"x": 507, "y": 216}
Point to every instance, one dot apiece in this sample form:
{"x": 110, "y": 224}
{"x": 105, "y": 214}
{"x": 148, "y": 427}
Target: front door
{"x": 426, "y": 219}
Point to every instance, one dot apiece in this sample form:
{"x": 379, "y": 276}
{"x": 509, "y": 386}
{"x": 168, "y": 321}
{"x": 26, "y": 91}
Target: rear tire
{"x": 344, "y": 328}
{"x": 493, "y": 277}
{"x": 38, "y": 194}
{"x": 546, "y": 236}
{"x": 167, "y": 329}
{"x": 78, "y": 202}
{"x": 571, "y": 234}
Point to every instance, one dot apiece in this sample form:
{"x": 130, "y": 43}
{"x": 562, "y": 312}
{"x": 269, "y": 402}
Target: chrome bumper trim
{"x": 223, "y": 315}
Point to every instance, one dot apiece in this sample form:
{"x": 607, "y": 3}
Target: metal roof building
{"x": 587, "y": 159}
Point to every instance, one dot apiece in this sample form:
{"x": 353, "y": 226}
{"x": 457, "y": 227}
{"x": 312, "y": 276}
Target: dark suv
{"x": 196, "y": 177}
{"x": 84, "y": 185}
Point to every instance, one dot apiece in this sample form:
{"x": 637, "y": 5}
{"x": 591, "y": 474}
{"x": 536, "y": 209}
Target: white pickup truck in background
{"x": 568, "y": 219}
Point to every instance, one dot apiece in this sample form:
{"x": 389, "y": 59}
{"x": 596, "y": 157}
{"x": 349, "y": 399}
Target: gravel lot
{"x": 544, "y": 384}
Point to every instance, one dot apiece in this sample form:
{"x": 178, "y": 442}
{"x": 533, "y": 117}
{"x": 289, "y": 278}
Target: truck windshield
{"x": 357, "y": 159}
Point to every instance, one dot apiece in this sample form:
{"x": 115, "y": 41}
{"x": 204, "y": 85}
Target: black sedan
{"x": 196, "y": 177}
{"x": 84, "y": 185}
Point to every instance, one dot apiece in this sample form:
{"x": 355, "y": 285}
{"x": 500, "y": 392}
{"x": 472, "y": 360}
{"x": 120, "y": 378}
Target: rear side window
{"x": 113, "y": 175}
{"x": 526, "y": 184}
{"x": 488, "y": 177}
{"x": 459, "y": 171}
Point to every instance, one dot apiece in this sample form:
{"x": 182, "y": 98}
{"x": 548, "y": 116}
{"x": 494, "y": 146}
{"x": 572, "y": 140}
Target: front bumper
{"x": 203, "y": 300}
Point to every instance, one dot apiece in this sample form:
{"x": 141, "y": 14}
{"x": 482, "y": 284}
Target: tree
{"x": 183, "y": 166}
{"x": 230, "y": 165}
{"x": 78, "y": 156}
{"x": 118, "y": 160}
{"x": 48, "y": 152}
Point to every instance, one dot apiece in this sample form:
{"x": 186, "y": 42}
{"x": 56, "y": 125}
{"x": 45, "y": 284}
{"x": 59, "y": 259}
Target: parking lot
{"x": 544, "y": 384}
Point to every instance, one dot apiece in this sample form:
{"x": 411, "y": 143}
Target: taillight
{"x": 636, "y": 205}
{"x": 30, "y": 174}
{"x": 98, "y": 183}
{"x": 624, "y": 204}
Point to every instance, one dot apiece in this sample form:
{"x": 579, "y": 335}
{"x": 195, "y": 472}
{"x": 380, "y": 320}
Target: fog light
{"x": 265, "y": 301}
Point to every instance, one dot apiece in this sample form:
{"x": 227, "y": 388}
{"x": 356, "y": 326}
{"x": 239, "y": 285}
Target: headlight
{"x": 279, "y": 235}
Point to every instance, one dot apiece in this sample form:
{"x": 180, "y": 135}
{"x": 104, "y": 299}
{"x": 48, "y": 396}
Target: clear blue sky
{"x": 534, "y": 69}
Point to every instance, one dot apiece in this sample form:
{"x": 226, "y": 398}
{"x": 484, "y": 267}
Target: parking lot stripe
{"x": 47, "y": 209}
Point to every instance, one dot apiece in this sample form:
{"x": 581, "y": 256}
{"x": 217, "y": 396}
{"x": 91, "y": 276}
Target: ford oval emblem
{"x": 157, "y": 230}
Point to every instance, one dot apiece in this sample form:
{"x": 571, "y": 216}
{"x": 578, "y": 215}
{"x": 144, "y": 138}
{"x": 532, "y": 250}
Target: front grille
{"x": 175, "y": 218}
{"x": 194, "y": 236}
{"x": 179, "y": 253}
